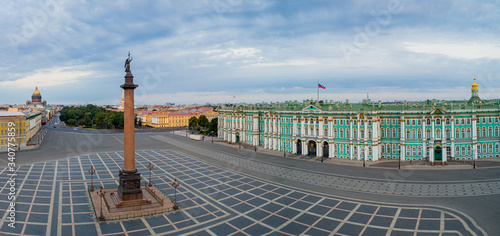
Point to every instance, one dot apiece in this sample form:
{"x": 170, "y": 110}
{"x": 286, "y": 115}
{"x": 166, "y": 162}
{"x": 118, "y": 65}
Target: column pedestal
{"x": 130, "y": 185}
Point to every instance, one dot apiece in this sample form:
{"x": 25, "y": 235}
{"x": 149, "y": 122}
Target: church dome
{"x": 36, "y": 92}
{"x": 474, "y": 85}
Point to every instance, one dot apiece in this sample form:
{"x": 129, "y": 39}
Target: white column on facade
{"x": 294, "y": 148}
{"x": 330, "y": 128}
{"x": 432, "y": 130}
{"x": 351, "y": 132}
{"x": 366, "y": 150}
{"x": 321, "y": 133}
{"x": 431, "y": 153}
{"x": 304, "y": 147}
{"x": 255, "y": 130}
{"x": 319, "y": 149}
{"x": 443, "y": 132}
{"x": 452, "y": 137}
{"x": 294, "y": 126}
{"x": 474, "y": 137}
{"x": 351, "y": 150}
{"x": 302, "y": 122}
{"x": 402, "y": 138}
{"x": 365, "y": 130}
{"x": 330, "y": 149}
{"x": 278, "y": 144}
{"x": 402, "y": 154}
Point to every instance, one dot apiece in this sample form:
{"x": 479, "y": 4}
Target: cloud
{"x": 466, "y": 50}
{"x": 48, "y": 77}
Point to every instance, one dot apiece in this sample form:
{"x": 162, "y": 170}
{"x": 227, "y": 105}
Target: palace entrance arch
{"x": 325, "y": 149}
{"x": 311, "y": 148}
{"x": 438, "y": 153}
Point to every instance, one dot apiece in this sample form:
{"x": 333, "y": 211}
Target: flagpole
{"x": 318, "y": 90}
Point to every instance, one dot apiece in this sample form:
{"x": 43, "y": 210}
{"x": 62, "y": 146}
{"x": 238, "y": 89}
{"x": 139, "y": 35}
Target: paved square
{"x": 53, "y": 200}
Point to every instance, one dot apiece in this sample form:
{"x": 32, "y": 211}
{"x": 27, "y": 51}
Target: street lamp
{"x": 399, "y": 163}
{"x": 91, "y": 171}
{"x": 150, "y": 167}
{"x": 474, "y": 162}
{"x": 100, "y": 193}
{"x": 175, "y": 184}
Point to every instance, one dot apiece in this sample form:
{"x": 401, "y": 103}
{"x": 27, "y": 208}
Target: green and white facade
{"x": 432, "y": 130}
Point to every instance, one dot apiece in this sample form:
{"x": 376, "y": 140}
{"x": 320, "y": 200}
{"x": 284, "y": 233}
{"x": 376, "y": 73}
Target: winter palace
{"x": 432, "y": 130}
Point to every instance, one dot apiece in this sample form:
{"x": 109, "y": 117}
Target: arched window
{"x": 355, "y": 132}
{"x": 388, "y": 147}
{"x": 463, "y": 151}
{"x": 408, "y": 151}
{"x": 419, "y": 151}
{"x": 355, "y": 149}
{"x": 407, "y": 122}
{"x": 413, "y": 122}
{"x": 369, "y": 122}
{"x": 382, "y": 149}
{"x": 394, "y": 133}
{"x": 419, "y": 134}
{"x": 447, "y": 121}
{"x": 382, "y": 132}
{"x": 468, "y": 133}
{"x": 413, "y": 134}
{"x": 341, "y": 133}
{"x": 414, "y": 151}
{"x": 489, "y": 120}
{"x": 490, "y": 147}
{"x": 457, "y": 133}
{"x": 335, "y": 133}
{"x": 428, "y": 122}
{"x": 398, "y": 133}
{"x": 394, "y": 149}
{"x": 361, "y": 133}
{"x": 362, "y": 122}
{"x": 438, "y": 133}
{"x": 457, "y": 121}
{"x": 370, "y": 136}
{"x": 468, "y": 150}
{"x": 496, "y": 148}
{"x": 347, "y": 133}
{"x": 478, "y": 132}
{"x": 438, "y": 121}
{"x": 448, "y": 134}
{"x": 484, "y": 132}
{"x": 341, "y": 149}
{"x": 496, "y": 132}
{"x": 428, "y": 133}
{"x": 463, "y": 121}
{"x": 490, "y": 131}
{"x": 484, "y": 150}
{"x": 468, "y": 121}
{"x": 457, "y": 151}
{"x": 370, "y": 151}
{"x": 347, "y": 149}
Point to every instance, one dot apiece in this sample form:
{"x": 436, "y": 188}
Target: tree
{"x": 213, "y": 125}
{"x": 203, "y": 121}
{"x": 193, "y": 122}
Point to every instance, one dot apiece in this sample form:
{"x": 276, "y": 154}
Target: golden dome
{"x": 474, "y": 85}
{"x": 36, "y": 92}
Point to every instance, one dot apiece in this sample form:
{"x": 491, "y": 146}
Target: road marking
{"x": 118, "y": 140}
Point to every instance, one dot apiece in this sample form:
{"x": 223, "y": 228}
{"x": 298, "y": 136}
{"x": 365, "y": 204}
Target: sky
{"x": 233, "y": 51}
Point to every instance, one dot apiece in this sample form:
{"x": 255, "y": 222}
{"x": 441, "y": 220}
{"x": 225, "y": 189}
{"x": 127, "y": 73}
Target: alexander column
{"x": 130, "y": 178}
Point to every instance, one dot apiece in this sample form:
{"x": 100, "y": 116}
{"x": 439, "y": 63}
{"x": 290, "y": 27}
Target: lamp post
{"x": 399, "y": 158}
{"x": 92, "y": 171}
{"x": 364, "y": 157}
{"x": 150, "y": 167}
{"x": 474, "y": 163}
{"x": 100, "y": 193}
{"x": 175, "y": 184}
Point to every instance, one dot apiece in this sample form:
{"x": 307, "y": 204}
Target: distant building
{"x": 432, "y": 130}
{"x": 36, "y": 99}
{"x": 174, "y": 119}
{"x": 121, "y": 107}
{"x": 26, "y": 126}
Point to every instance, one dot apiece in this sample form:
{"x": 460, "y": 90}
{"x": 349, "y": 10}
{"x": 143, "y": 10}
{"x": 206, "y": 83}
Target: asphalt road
{"x": 65, "y": 142}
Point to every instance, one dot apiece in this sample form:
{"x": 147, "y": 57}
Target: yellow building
{"x": 173, "y": 119}
{"x": 25, "y": 126}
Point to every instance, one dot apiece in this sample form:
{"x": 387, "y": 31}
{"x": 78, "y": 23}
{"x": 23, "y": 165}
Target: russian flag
{"x": 321, "y": 86}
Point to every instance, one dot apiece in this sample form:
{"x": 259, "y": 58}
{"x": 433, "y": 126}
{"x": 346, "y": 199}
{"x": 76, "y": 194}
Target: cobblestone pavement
{"x": 475, "y": 188}
{"x": 52, "y": 199}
